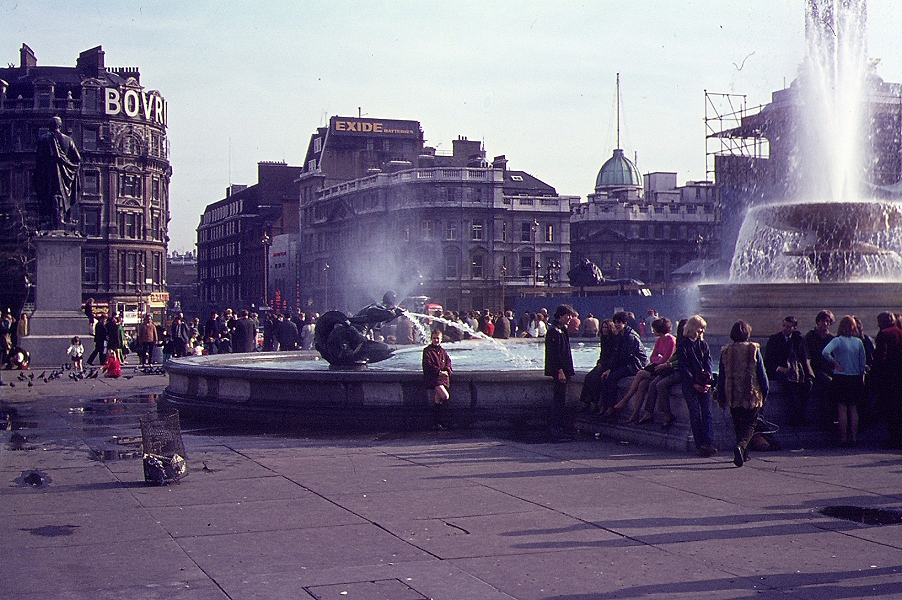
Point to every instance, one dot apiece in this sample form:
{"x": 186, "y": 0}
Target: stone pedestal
{"x": 58, "y": 313}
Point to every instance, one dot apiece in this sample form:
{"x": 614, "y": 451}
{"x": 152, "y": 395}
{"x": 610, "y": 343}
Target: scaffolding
{"x": 727, "y": 133}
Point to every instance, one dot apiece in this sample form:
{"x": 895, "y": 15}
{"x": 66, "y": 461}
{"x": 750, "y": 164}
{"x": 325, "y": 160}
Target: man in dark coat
{"x": 816, "y": 340}
{"x": 286, "y": 334}
{"x": 786, "y": 360}
{"x": 559, "y": 366}
{"x": 244, "y": 336}
{"x": 100, "y": 335}
{"x": 627, "y": 356}
{"x": 887, "y": 372}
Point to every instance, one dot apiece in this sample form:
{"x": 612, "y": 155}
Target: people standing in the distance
{"x": 846, "y": 353}
{"x": 887, "y": 373}
{"x": 6, "y": 339}
{"x": 244, "y": 333}
{"x": 437, "y": 379}
{"x": 816, "y": 340}
{"x": 786, "y": 361}
{"x": 76, "y": 351}
{"x": 113, "y": 366}
{"x": 148, "y": 337}
{"x": 89, "y": 312}
{"x": 695, "y": 366}
{"x": 114, "y": 337}
{"x": 559, "y": 366}
{"x": 742, "y": 385}
{"x": 178, "y": 333}
{"x": 56, "y": 176}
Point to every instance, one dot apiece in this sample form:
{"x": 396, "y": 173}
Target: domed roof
{"x": 618, "y": 171}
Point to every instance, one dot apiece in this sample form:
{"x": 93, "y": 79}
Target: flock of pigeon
{"x": 66, "y": 370}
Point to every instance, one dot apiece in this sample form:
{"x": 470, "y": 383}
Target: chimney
{"x": 90, "y": 62}
{"x": 500, "y": 162}
{"x": 27, "y": 59}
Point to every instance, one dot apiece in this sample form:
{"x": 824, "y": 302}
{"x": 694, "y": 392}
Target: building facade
{"x": 453, "y": 228}
{"x": 644, "y": 227}
{"x": 120, "y": 128}
{"x": 235, "y": 237}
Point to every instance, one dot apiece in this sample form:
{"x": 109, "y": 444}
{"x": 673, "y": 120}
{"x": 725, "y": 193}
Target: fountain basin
{"x": 765, "y": 305}
{"x": 284, "y": 387}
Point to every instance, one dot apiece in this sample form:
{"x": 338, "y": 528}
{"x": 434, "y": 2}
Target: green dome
{"x": 618, "y": 171}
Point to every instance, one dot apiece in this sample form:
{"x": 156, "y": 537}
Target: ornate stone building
{"x": 643, "y": 228}
{"x": 120, "y": 128}
{"x": 381, "y": 211}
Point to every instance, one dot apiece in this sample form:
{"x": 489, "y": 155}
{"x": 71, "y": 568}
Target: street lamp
{"x": 267, "y": 242}
{"x": 325, "y": 287}
{"x": 535, "y": 259}
{"x": 503, "y": 273}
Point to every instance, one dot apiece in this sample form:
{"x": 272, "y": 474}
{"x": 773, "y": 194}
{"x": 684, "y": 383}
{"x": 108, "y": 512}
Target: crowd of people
{"x": 846, "y": 374}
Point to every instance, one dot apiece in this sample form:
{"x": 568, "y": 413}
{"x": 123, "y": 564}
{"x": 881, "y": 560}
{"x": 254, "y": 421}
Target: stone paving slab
{"x": 451, "y": 515}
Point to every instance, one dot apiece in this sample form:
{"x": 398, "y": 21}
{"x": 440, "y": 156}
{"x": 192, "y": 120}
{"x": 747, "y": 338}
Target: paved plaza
{"x": 451, "y": 515}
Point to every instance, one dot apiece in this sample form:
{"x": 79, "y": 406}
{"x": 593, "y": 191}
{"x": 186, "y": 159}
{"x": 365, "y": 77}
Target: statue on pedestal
{"x": 56, "y": 177}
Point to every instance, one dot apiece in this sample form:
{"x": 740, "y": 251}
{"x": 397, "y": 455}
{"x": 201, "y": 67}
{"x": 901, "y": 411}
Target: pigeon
{"x": 73, "y": 376}
{"x": 42, "y": 375}
{"x": 30, "y": 384}
{"x": 31, "y": 376}
{"x": 11, "y": 384}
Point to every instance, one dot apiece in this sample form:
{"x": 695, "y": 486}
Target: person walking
{"x": 100, "y": 336}
{"x": 742, "y": 385}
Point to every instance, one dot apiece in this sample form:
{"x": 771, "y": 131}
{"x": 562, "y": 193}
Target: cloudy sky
{"x": 534, "y": 80}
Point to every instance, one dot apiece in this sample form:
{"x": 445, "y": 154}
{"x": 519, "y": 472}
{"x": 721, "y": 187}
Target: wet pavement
{"x": 450, "y": 515}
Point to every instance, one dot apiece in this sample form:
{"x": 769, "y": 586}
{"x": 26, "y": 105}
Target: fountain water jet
{"x": 828, "y": 246}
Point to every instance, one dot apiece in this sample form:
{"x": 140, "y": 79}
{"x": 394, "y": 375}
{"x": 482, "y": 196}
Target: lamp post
{"x": 503, "y": 273}
{"x": 535, "y": 259}
{"x": 325, "y": 287}
{"x": 267, "y": 242}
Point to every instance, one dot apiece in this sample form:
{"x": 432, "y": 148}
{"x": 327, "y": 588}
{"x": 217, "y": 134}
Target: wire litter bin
{"x": 164, "y": 451}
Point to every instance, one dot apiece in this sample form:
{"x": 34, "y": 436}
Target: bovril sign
{"x": 136, "y": 104}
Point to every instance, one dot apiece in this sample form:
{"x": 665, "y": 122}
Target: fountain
{"x": 830, "y": 246}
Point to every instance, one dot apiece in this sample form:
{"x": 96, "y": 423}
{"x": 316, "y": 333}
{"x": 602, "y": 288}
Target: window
{"x": 452, "y": 266}
{"x": 451, "y": 231}
{"x": 4, "y": 184}
{"x": 89, "y": 139}
{"x": 526, "y": 231}
{"x": 405, "y": 233}
{"x": 476, "y": 266}
{"x": 130, "y": 268}
{"x": 157, "y": 267}
{"x": 478, "y": 233}
{"x": 526, "y": 265}
{"x": 155, "y": 189}
{"x": 92, "y": 183}
{"x": 503, "y": 231}
{"x": 130, "y": 145}
{"x": 318, "y": 144}
{"x": 91, "y": 220}
{"x": 517, "y": 177}
{"x": 130, "y": 185}
{"x": 426, "y": 229}
{"x": 549, "y": 232}
{"x": 129, "y": 225}
{"x": 89, "y": 269}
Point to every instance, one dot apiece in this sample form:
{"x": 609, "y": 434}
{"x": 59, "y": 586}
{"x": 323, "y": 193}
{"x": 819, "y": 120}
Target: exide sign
{"x": 136, "y": 104}
{"x": 371, "y": 126}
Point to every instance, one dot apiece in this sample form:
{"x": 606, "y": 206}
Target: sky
{"x": 536, "y": 81}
